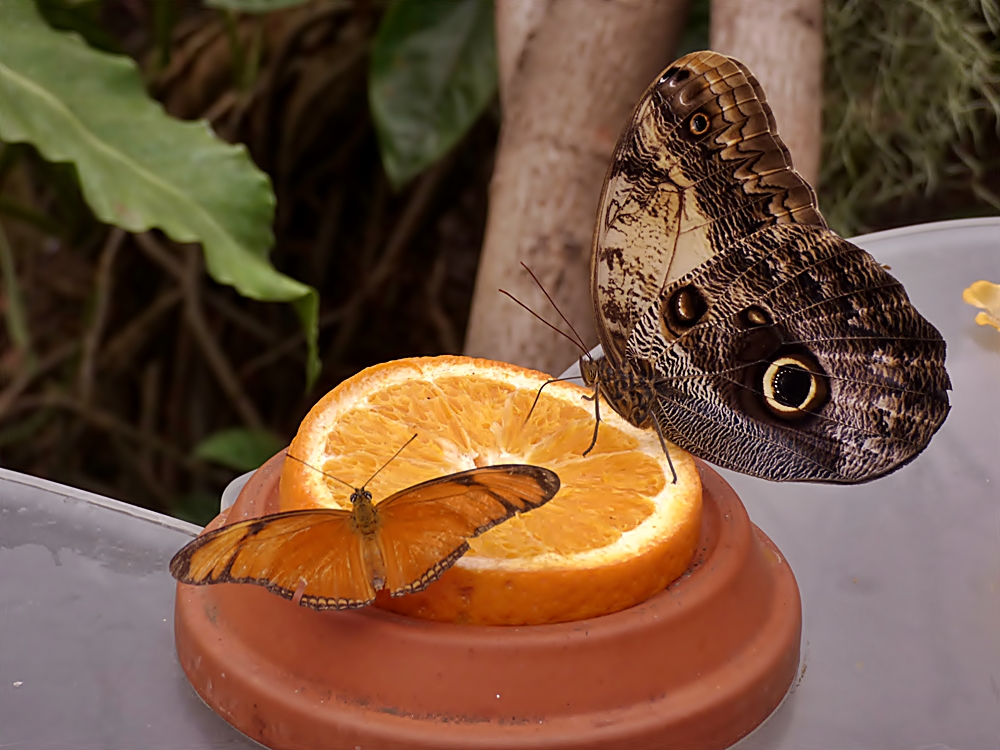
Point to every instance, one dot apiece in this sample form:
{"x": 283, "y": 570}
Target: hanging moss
{"x": 911, "y": 111}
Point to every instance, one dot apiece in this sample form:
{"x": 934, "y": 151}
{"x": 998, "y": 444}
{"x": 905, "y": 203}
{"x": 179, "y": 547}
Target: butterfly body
{"x": 365, "y": 522}
{"x": 729, "y": 312}
{"x": 363, "y": 514}
{"x": 331, "y": 558}
{"x": 632, "y": 394}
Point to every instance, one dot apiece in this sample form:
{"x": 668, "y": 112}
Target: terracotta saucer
{"x": 697, "y": 666}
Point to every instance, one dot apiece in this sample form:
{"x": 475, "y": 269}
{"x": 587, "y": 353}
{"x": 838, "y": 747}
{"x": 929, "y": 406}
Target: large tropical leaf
{"x": 433, "y": 70}
{"x": 138, "y": 167}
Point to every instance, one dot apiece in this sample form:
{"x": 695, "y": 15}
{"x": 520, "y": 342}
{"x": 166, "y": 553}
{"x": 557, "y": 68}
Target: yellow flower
{"x": 985, "y": 295}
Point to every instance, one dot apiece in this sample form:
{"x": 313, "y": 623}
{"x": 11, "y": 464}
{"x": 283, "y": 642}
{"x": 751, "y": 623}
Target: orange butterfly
{"x": 338, "y": 559}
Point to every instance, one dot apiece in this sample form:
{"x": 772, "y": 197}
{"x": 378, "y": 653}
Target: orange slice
{"x": 617, "y": 532}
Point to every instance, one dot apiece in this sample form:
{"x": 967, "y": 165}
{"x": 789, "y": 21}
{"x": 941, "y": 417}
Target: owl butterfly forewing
{"x": 731, "y": 317}
{"x": 337, "y": 559}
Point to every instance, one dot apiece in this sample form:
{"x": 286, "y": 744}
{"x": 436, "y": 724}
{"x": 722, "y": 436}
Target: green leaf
{"x": 433, "y": 70}
{"x": 240, "y": 449}
{"x": 139, "y": 168}
{"x": 253, "y": 6}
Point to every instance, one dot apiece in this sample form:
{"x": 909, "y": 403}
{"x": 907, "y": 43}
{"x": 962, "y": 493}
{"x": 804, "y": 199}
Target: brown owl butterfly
{"x": 733, "y": 321}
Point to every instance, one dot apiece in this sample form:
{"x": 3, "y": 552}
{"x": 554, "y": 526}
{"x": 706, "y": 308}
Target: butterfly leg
{"x": 539, "y": 395}
{"x": 663, "y": 444}
{"x": 597, "y": 416}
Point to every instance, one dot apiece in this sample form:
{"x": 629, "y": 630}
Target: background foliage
{"x": 365, "y": 133}
{"x": 915, "y": 135}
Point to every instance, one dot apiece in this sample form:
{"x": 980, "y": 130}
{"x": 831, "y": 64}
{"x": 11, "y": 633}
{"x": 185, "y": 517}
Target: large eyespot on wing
{"x": 425, "y": 529}
{"x": 280, "y": 552}
{"x": 791, "y": 386}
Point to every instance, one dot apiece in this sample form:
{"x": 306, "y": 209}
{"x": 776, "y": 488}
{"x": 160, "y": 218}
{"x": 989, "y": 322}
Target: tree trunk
{"x": 781, "y": 41}
{"x": 570, "y": 73}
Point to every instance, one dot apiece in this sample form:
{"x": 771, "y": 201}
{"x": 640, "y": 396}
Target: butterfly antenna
{"x": 555, "y": 307}
{"x": 324, "y": 473}
{"x": 389, "y": 461}
{"x": 543, "y": 320}
{"x": 578, "y": 341}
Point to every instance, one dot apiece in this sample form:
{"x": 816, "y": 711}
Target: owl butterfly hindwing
{"x": 338, "y": 559}
{"x": 753, "y": 335}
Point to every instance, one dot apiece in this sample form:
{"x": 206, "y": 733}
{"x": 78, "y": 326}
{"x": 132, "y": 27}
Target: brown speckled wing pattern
{"x": 756, "y": 337}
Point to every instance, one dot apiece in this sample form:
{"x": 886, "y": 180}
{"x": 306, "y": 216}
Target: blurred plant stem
{"x": 15, "y": 315}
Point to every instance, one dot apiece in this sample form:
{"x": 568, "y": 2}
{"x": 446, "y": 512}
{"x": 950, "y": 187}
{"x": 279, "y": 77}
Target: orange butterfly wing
{"x": 424, "y": 529}
{"x": 320, "y": 547}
